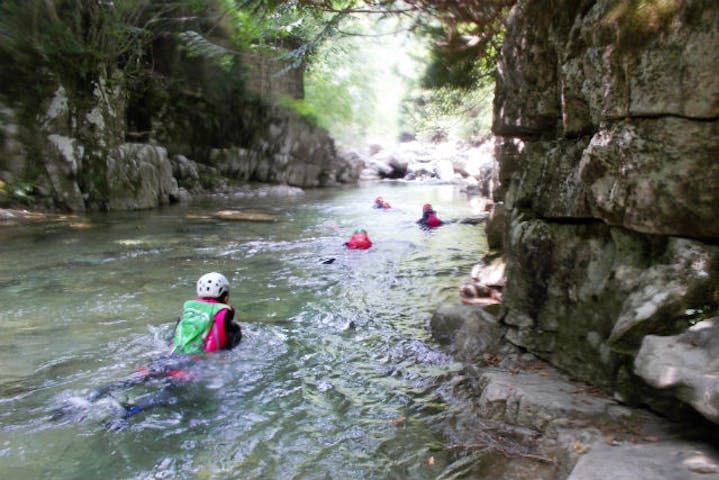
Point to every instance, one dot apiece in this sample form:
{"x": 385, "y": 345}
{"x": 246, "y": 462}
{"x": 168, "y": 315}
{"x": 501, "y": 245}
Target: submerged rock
{"x": 246, "y": 215}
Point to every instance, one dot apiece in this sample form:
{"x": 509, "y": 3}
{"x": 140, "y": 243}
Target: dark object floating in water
{"x": 474, "y": 220}
{"x": 327, "y": 262}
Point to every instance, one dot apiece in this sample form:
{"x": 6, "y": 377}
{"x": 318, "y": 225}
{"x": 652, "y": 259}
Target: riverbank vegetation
{"x": 359, "y": 57}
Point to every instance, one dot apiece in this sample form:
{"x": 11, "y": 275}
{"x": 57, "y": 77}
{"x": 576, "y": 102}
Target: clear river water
{"x": 337, "y": 376}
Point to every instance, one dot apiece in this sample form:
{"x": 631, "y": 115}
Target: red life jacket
{"x": 359, "y": 241}
{"x": 433, "y": 221}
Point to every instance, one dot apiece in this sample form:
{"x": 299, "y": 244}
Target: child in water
{"x": 206, "y": 325}
{"x": 429, "y": 217}
{"x": 381, "y": 203}
{"x": 359, "y": 240}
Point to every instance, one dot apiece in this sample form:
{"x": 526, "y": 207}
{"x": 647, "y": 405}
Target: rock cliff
{"x": 607, "y": 114}
{"x": 193, "y": 126}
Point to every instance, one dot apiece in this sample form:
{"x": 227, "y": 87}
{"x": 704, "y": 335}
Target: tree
{"x": 454, "y": 97}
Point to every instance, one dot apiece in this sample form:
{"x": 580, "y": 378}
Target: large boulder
{"x": 687, "y": 364}
{"x": 470, "y": 331}
{"x": 63, "y": 162}
{"x": 584, "y": 295}
{"x": 684, "y": 278}
{"x": 139, "y": 176}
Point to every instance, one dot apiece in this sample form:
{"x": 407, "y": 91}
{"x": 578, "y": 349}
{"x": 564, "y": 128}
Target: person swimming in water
{"x": 429, "y": 217}
{"x": 206, "y": 325}
{"x": 359, "y": 240}
{"x": 381, "y": 203}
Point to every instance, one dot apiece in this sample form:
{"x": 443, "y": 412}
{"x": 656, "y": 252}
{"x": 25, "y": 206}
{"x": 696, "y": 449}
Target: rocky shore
{"x": 552, "y": 426}
{"x": 605, "y": 215}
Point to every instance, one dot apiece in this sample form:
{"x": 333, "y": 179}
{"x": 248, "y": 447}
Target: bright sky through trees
{"x": 357, "y": 82}
{"x": 366, "y": 88}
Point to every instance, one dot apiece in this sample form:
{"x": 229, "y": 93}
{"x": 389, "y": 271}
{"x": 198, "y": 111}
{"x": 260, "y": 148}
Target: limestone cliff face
{"x": 608, "y": 118}
{"x": 124, "y": 146}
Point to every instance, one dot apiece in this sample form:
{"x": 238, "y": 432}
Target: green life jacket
{"x": 194, "y": 326}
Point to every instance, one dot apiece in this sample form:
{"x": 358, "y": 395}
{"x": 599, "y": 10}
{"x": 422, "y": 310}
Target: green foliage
{"x": 196, "y": 45}
{"x": 464, "y": 37}
{"x": 74, "y": 42}
{"x": 265, "y": 24}
{"x": 449, "y": 113}
{"x": 69, "y": 37}
{"x": 257, "y": 24}
{"x": 305, "y": 109}
{"x": 351, "y": 81}
{"x": 18, "y": 192}
{"x": 21, "y": 190}
{"x": 453, "y": 99}
{"x": 462, "y": 68}
{"x": 356, "y": 81}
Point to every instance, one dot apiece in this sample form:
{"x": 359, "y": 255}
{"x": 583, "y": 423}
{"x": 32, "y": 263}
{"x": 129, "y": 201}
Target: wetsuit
{"x": 176, "y": 368}
{"x": 379, "y": 203}
{"x": 429, "y": 219}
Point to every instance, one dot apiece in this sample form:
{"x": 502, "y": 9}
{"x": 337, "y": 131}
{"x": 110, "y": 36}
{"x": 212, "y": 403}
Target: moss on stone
{"x": 638, "y": 22}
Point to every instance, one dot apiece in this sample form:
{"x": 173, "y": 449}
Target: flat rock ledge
{"x": 11, "y": 217}
{"x": 571, "y": 431}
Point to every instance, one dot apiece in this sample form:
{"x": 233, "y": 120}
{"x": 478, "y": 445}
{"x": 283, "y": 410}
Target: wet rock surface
{"x": 608, "y": 194}
{"x": 561, "y": 428}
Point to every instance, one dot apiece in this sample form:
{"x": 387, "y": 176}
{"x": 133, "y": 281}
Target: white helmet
{"x": 212, "y": 285}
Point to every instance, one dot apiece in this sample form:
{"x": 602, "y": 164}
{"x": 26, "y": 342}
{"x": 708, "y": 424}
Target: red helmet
{"x": 426, "y": 207}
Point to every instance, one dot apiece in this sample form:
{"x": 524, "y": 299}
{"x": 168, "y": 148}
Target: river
{"x": 337, "y": 376}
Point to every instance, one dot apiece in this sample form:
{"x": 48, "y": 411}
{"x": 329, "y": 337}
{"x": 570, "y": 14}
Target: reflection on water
{"x": 336, "y": 377}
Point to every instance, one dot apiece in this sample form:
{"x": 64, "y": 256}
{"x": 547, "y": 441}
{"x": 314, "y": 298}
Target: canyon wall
{"x": 607, "y": 114}
{"x": 189, "y": 125}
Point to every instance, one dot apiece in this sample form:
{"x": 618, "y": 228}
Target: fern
{"x": 197, "y": 45}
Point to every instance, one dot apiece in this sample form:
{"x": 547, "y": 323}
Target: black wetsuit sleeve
{"x": 171, "y": 337}
{"x": 232, "y": 330}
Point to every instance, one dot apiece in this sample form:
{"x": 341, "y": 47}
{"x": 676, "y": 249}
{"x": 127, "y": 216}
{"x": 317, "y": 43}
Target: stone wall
{"x": 608, "y": 114}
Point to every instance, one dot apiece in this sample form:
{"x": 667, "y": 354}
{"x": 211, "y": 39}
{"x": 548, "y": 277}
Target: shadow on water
{"x": 336, "y": 376}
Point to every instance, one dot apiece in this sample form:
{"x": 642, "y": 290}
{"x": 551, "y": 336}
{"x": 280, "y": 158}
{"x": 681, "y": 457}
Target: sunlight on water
{"x": 337, "y": 376}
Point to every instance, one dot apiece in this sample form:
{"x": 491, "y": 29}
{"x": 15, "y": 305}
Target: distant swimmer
{"x": 381, "y": 203}
{"x": 429, "y": 217}
{"x": 360, "y": 240}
